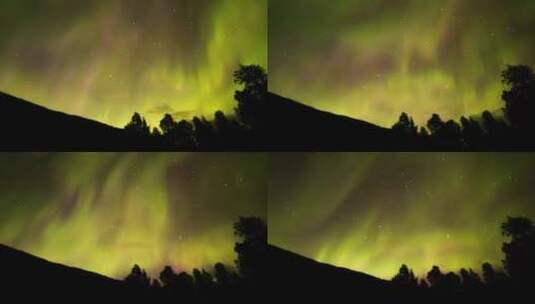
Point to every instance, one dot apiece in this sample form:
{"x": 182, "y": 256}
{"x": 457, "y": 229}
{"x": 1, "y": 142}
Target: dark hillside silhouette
{"x": 26, "y": 277}
{"x": 269, "y": 274}
{"x": 294, "y": 126}
{"x": 264, "y": 121}
{"x": 30, "y": 127}
{"x": 297, "y": 278}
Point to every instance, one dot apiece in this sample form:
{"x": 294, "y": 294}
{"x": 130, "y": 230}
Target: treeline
{"x": 256, "y": 123}
{"x": 222, "y": 131}
{"x": 222, "y": 282}
{"x": 512, "y": 130}
{"x": 248, "y": 279}
{"x": 518, "y": 268}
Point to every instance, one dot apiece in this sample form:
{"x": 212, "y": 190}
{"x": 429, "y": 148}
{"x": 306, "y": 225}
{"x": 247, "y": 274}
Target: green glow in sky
{"x": 373, "y": 212}
{"x": 105, "y": 59}
{"x": 105, "y": 212}
{"x": 367, "y": 211}
{"x": 374, "y": 59}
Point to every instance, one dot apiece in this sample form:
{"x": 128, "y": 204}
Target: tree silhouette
{"x": 156, "y": 132}
{"x": 223, "y": 126}
{"x": 167, "y": 276}
{"x": 435, "y": 124}
{"x": 470, "y": 279}
{"x": 138, "y": 278}
{"x": 520, "y": 97}
{"x": 517, "y": 228}
{"x": 156, "y": 284}
{"x": 223, "y": 276}
{"x": 405, "y": 278}
{"x": 253, "y": 78}
{"x": 491, "y": 277}
{"x": 423, "y": 132}
{"x": 175, "y": 285}
{"x": 519, "y": 252}
{"x": 251, "y": 230}
{"x": 184, "y": 282}
{"x": 230, "y": 131}
{"x": 204, "y": 132}
{"x": 251, "y": 109}
{"x": 179, "y": 134}
{"x": 252, "y": 248}
{"x": 405, "y": 126}
{"x": 167, "y": 124}
{"x": 138, "y": 125}
{"x": 204, "y": 281}
{"x": 496, "y": 129}
{"x": 435, "y": 277}
{"x": 452, "y": 131}
{"x": 472, "y": 132}
{"x": 444, "y": 134}
{"x": 184, "y": 135}
{"x": 452, "y": 281}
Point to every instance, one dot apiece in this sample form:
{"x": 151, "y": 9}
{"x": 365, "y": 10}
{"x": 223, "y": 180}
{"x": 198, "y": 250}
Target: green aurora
{"x": 373, "y": 212}
{"x": 374, "y": 59}
{"x": 366, "y": 211}
{"x": 107, "y": 211}
{"x": 105, "y": 59}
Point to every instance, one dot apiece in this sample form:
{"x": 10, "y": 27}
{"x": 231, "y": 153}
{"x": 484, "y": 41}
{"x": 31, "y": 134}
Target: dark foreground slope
{"x": 290, "y": 125}
{"x": 25, "y": 276}
{"x": 27, "y": 126}
{"x": 299, "y": 278}
{"x": 263, "y": 122}
{"x": 280, "y": 124}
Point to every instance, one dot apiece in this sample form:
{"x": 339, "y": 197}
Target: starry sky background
{"x": 374, "y": 59}
{"x": 366, "y": 211}
{"x": 107, "y": 211}
{"x": 373, "y": 212}
{"x": 105, "y": 59}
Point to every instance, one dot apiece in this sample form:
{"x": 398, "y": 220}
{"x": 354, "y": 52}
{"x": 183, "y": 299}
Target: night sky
{"x": 105, "y": 59}
{"x": 374, "y": 59}
{"x": 367, "y": 211}
{"x": 373, "y": 212}
{"x": 106, "y": 211}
